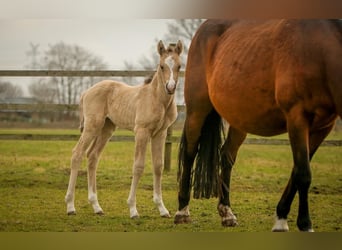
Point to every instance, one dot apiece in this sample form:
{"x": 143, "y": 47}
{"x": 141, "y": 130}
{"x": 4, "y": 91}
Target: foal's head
{"x": 169, "y": 65}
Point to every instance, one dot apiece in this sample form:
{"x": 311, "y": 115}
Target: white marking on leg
{"x": 157, "y": 146}
{"x": 69, "y": 200}
{"x": 157, "y": 199}
{"x": 227, "y": 216}
{"x": 131, "y": 201}
{"x": 184, "y": 212}
{"x": 280, "y": 225}
{"x": 92, "y": 197}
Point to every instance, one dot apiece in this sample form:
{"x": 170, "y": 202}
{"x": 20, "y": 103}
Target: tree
{"x": 61, "y": 56}
{"x": 183, "y": 29}
{"x": 42, "y": 91}
{"x": 178, "y": 29}
{"x": 8, "y": 90}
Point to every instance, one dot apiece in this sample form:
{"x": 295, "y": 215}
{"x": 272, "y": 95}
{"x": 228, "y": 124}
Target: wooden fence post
{"x": 168, "y": 149}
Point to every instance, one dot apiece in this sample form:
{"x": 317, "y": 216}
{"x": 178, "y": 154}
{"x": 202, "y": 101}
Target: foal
{"x": 147, "y": 109}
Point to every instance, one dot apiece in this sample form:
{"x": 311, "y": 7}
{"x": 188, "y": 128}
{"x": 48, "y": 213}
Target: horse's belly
{"x": 251, "y": 117}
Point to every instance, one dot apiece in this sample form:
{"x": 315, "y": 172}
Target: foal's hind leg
{"x": 77, "y": 155}
{"x": 142, "y": 137}
{"x": 157, "y": 146}
{"x": 93, "y": 155}
{"x": 229, "y": 151}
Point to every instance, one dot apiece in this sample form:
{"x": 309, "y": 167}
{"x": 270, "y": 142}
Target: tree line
{"x": 63, "y": 56}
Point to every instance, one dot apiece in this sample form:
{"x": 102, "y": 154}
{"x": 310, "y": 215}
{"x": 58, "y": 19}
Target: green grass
{"x": 34, "y": 177}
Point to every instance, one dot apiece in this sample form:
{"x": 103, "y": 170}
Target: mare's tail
{"x": 205, "y": 177}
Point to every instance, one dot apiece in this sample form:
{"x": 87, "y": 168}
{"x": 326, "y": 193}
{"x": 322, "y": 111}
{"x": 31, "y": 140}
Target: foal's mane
{"x": 148, "y": 79}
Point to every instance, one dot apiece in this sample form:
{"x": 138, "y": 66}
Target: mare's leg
{"x": 315, "y": 140}
{"x": 229, "y": 151}
{"x": 142, "y": 136}
{"x": 194, "y": 121}
{"x": 298, "y": 129}
{"x": 88, "y": 135}
{"x": 157, "y": 148}
{"x": 93, "y": 155}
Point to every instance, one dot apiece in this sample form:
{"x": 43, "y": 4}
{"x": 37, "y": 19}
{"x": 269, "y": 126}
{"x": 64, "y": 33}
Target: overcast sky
{"x": 114, "y": 40}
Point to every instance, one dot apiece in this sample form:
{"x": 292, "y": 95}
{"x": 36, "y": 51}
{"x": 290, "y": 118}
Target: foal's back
{"x": 114, "y": 100}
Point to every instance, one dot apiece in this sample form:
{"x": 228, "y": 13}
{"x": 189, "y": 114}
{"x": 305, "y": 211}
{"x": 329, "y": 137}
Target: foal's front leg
{"x": 157, "y": 148}
{"x": 141, "y": 139}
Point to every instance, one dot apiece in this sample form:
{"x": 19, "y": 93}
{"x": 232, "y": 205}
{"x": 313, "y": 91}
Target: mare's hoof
{"x": 71, "y": 213}
{"x": 135, "y": 217}
{"x": 99, "y": 213}
{"x": 182, "y": 219}
{"x": 229, "y": 222}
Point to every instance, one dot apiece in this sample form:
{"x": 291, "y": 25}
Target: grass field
{"x": 34, "y": 177}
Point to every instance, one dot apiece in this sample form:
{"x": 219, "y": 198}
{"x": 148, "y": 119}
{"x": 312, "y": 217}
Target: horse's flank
{"x": 287, "y": 53}
{"x": 263, "y": 77}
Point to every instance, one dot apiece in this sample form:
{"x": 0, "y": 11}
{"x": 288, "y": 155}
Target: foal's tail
{"x": 81, "y": 127}
{"x": 205, "y": 177}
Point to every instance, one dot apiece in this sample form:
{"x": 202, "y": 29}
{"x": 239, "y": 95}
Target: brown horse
{"x": 265, "y": 78}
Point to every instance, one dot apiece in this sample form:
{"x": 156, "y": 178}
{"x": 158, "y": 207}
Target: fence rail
{"x": 77, "y": 73}
{"x": 8, "y": 107}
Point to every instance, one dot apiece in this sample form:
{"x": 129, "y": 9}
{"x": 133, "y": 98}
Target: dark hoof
{"x": 165, "y": 216}
{"x": 99, "y": 213}
{"x": 279, "y": 230}
{"x": 229, "y": 223}
{"x": 72, "y": 213}
{"x": 182, "y": 219}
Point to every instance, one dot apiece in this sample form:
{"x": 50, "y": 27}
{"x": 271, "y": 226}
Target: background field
{"x": 34, "y": 177}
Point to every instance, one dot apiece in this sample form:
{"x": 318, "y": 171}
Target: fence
{"x": 101, "y": 73}
{"x": 77, "y": 73}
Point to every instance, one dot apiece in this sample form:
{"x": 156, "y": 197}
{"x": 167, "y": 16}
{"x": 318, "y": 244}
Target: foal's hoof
{"x": 99, "y": 213}
{"x": 165, "y": 216}
{"x": 71, "y": 212}
{"x": 182, "y": 219}
{"x": 135, "y": 217}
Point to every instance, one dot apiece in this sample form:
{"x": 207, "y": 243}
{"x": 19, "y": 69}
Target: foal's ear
{"x": 161, "y": 48}
{"x": 179, "y": 47}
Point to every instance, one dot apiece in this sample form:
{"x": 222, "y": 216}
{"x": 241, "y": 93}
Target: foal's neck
{"x": 158, "y": 88}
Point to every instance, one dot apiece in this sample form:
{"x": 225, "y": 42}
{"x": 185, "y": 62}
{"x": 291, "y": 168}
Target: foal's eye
{"x": 162, "y": 67}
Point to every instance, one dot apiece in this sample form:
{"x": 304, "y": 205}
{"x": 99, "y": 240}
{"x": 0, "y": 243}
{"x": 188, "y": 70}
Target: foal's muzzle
{"x": 171, "y": 87}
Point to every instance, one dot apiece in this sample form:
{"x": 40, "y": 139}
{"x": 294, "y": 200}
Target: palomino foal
{"x": 147, "y": 109}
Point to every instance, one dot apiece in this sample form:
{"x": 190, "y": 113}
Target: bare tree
{"x": 42, "y": 91}
{"x": 183, "y": 29}
{"x": 33, "y": 54}
{"x": 61, "y": 56}
{"x": 177, "y": 29}
{"x": 9, "y": 90}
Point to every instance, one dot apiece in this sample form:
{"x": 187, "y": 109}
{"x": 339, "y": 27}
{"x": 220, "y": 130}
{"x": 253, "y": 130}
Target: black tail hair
{"x": 205, "y": 177}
